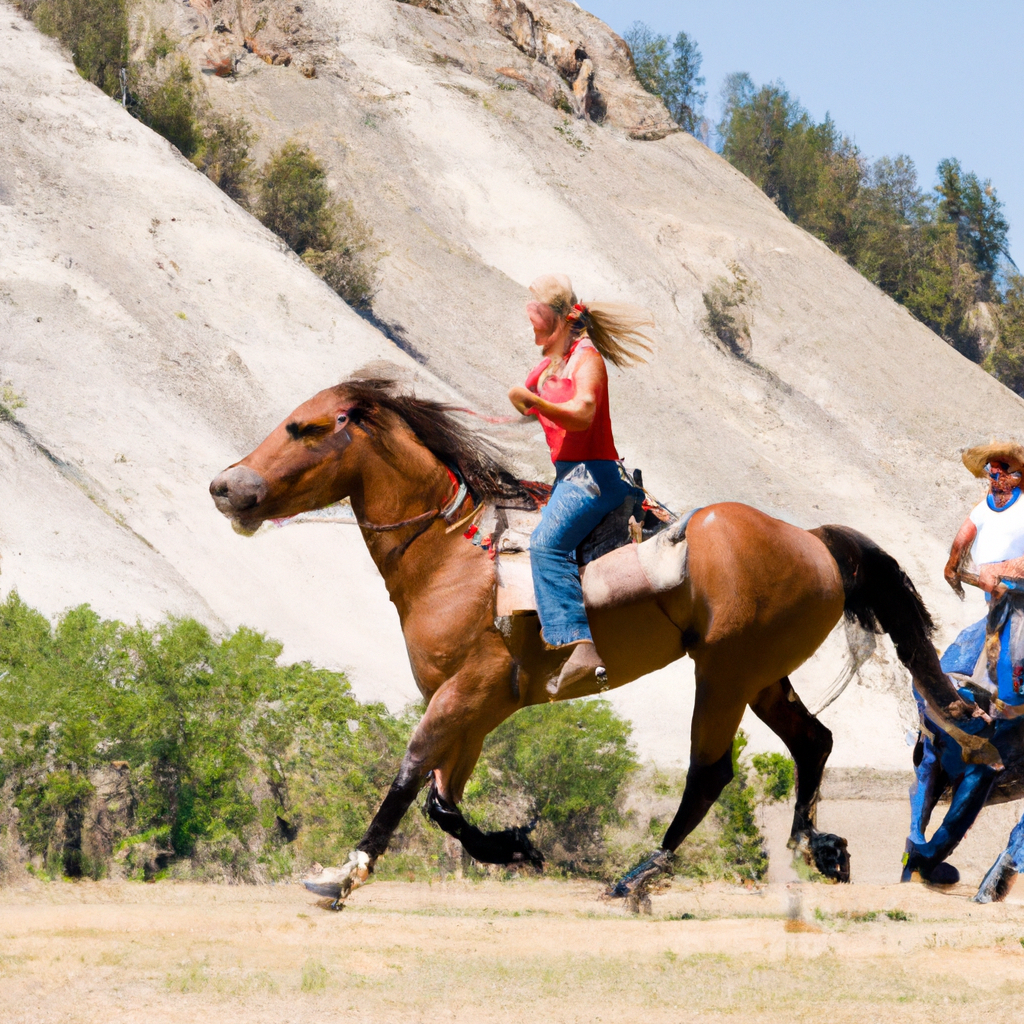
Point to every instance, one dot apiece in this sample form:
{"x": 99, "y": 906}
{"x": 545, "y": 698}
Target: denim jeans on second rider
{"x": 584, "y": 493}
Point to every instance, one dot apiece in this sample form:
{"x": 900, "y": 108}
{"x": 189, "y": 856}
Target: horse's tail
{"x": 881, "y": 598}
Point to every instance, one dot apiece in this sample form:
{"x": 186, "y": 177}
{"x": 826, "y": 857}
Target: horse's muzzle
{"x": 237, "y": 490}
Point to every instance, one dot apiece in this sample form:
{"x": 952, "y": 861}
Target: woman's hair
{"x": 615, "y": 330}
{"x": 613, "y": 327}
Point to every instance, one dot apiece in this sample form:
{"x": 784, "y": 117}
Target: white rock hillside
{"x": 156, "y": 331}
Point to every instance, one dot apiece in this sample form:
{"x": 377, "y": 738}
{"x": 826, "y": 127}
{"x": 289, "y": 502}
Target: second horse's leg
{"x": 810, "y": 743}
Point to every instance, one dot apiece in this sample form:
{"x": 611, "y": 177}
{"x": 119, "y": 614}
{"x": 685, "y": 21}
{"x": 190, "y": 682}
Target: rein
{"x": 446, "y": 512}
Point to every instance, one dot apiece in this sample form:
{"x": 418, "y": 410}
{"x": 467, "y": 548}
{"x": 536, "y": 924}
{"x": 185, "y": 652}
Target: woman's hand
{"x": 523, "y": 399}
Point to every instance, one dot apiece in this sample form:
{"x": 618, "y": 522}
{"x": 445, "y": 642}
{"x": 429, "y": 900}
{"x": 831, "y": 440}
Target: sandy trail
{"x": 489, "y": 951}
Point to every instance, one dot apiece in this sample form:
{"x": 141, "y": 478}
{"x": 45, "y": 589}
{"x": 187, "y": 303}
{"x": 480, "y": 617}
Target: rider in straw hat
{"x": 568, "y": 392}
{"x": 988, "y": 657}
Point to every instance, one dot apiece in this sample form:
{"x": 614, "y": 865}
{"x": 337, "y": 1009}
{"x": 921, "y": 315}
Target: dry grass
{"x": 489, "y": 951}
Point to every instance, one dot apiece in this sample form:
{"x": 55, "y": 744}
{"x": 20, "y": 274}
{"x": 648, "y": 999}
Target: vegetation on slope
{"x": 95, "y": 31}
{"x": 294, "y": 200}
{"x": 138, "y": 752}
{"x": 941, "y": 253}
{"x": 289, "y": 194}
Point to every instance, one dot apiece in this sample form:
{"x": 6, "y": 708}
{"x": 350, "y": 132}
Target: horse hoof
{"x": 337, "y": 883}
{"x": 943, "y": 874}
{"x": 825, "y": 852}
{"x": 330, "y": 890}
{"x": 831, "y": 856}
{"x": 998, "y": 882}
{"x": 633, "y": 885}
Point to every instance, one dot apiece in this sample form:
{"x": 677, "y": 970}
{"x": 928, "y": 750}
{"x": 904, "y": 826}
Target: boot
{"x": 583, "y": 665}
{"x": 968, "y": 800}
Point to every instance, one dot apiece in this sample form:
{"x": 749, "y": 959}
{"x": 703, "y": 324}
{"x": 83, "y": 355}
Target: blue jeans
{"x": 584, "y": 493}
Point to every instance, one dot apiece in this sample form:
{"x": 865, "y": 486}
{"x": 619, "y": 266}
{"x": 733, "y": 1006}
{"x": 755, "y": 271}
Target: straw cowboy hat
{"x": 975, "y": 459}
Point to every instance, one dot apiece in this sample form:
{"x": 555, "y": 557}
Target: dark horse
{"x": 757, "y": 597}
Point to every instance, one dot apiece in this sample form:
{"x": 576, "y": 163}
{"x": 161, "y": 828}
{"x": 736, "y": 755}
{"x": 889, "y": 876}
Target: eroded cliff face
{"x": 178, "y": 331}
{"x": 559, "y": 53}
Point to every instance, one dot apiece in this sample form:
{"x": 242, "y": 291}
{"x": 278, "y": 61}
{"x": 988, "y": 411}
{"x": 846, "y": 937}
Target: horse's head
{"x": 305, "y": 463}
{"x": 364, "y": 435}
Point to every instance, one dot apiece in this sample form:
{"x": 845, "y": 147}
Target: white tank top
{"x": 1000, "y": 533}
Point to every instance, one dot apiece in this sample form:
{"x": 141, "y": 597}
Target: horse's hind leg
{"x": 810, "y": 743}
{"x": 711, "y": 734}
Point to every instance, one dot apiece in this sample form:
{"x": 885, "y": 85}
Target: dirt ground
{"x": 527, "y": 950}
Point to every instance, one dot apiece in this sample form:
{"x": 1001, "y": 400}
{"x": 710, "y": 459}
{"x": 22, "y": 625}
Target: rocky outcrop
{"x": 273, "y": 30}
{"x": 591, "y": 59}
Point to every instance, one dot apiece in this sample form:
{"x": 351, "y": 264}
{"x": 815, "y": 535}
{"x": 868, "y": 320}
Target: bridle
{"x": 446, "y": 512}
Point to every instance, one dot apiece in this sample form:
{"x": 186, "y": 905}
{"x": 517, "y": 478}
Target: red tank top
{"x": 594, "y": 443}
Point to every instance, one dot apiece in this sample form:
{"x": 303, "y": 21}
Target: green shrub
{"x": 563, "y": 766}
{"x": 223, "y": 155}
{"x": 95, "y": 31}
{"x": 741, "y": 839}
{"x": 150, "y": 751}
{"x": 348, "y": 265}
{"x": 294, "y": 200}
{"x": 173, "y": 107}
{"x": 1006, "y": 360}
{"x": 776, "y": 775}
{"x": 10, "y": 402}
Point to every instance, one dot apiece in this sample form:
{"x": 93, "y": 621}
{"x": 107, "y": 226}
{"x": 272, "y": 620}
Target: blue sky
{"x": 929, "y": 79}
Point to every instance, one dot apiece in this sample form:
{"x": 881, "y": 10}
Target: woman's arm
{"x": 578, "y": 412}
{"x": 961, "y": 543}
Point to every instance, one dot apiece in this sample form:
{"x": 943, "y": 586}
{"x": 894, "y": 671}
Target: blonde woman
{"x": 568, "y": 392}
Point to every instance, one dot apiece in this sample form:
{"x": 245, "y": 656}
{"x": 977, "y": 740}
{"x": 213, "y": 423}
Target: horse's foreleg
{"x": 509, "y": 846}
{"x": 810, "y": 743}
{"x": 389, "y": 815}
{"x": 337, "y": 883}
{"x": 1001, "y": 876}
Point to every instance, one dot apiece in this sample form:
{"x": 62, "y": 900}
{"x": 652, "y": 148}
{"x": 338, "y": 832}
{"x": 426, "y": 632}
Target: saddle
{"x": 504, "y": 529}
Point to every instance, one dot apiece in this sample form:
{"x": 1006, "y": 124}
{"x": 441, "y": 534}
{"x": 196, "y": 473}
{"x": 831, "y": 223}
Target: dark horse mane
{"x": 479, "y": 461}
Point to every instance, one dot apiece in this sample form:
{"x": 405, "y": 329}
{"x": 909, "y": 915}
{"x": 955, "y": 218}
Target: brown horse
{"x": 757, "y": 599}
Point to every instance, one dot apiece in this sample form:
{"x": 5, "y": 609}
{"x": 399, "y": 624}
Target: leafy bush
{"x": 95, "y": 31}
{"x": 776, "y": 776}
{"x": 725, "y": 319}
{"x": 562, "y": 765}
{"x": 146, "y": 751}
{"x": 223, "y": 155}
{"x": 295, "y": 201}
{"x": 1006, "y": 360}
{"x": 10, "y": 401}
{"x": 227, "y": 757}
{"x": 173, "y": 107}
